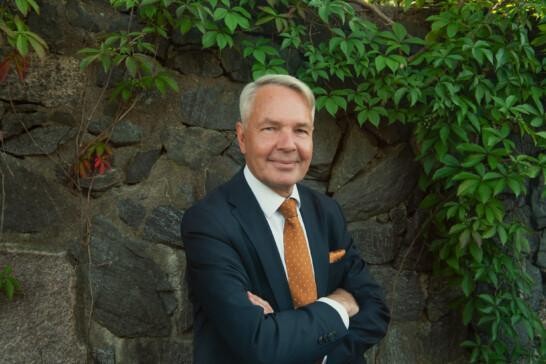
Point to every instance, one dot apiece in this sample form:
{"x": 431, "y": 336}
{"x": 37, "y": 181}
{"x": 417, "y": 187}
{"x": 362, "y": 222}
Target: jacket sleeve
{"x": 370, "y": 325}
{"x": 219, "y": 284}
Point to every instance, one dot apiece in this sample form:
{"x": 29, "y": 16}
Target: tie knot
{"x": 288, "y": 208}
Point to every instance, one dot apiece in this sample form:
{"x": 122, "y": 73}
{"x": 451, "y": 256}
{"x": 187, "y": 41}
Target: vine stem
{"x": 375, "y": 10}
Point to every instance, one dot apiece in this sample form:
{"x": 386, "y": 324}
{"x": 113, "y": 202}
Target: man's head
{"x": 276, "y": 130}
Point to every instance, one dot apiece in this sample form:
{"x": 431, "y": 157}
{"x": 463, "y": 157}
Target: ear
{"x": 240, "y": 129}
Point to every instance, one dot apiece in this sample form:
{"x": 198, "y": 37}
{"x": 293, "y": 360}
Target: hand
{"x": 346, "y": 299}
{"x": 257, "y": 301}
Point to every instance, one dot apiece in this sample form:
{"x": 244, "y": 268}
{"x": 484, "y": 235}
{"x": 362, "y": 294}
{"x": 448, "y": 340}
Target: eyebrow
{"x": 275, "y": 122}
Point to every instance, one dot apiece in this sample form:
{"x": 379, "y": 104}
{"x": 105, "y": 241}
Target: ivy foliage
{"x": 21, "y": 41}
{"x": 469, "y": 89}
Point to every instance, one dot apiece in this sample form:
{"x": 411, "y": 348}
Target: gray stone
{"x": 172, "y": 184}
{"x": 443, "y": 344}
{"x": 541, "y": 254}
{"x": 538, "y": 205}
{"x": 29, "y": 199}
{"x": 139, "y": 168}
{"x": 441, "y": 295}
{"x": 398, "y": 216}
{"x": 126, "y": 284}
{"x": 48, "y": 24}
{"x": 78, "y": 16}
{"x": 193, "y": 146}
{"x": 95, "y": 16}
{"x": 201, "y": 63}
{"x": 238, "y": 67}
{"x": 39, "y": 141}
{"x": 145, "y": 351}
{"x": 218, "y": 171}
{"x": 104, "y": 356}
{"x": 525, "y": 145}
{"x": 211, "y": 104}
{"x": 17, "y": 123}
{"x": 185, "y": 321}
{"x": 536, "y": 296}
{"x": 377, "y": 242}
{"x": 163, "y": 225}
{"x": 102, "y": 182}
{"x": 404, "y": 292}
{"x": 123, "y": 133}
{"x": 58, "y": 81}
{"x": 234, "y": 152}
{"x": 390, "y": 134}
{"x": 318, "y": 186}
{"x": 326, "y": 137}
{"x": 131, "y": 212}
{"x": 64, "y": 118}
{"x": 404, "y": 344}
{"x": 359, "y": 149}
{"x": 41, "y": 325}
{"x": 381, "y": 188}
{"x": 416, "y": 256}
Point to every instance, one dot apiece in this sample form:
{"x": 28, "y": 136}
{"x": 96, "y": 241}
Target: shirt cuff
{"x": 339, "y": 308}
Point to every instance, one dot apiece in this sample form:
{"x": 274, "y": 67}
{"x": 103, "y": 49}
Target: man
{"x": 273, "y": 274}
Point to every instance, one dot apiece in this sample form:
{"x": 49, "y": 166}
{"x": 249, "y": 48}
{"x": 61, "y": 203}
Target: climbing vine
{"x": 473, "y": 86}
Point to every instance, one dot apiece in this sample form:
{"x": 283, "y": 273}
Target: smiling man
{"x": 273, "y": 273}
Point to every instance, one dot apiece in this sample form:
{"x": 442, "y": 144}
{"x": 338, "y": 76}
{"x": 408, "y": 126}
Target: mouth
{"x": 284, "y": 164}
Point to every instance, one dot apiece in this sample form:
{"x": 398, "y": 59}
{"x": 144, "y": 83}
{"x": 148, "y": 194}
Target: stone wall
{"x": 102, "y": 268}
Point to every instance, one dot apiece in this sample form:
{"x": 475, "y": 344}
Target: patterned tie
{"x": 301, "y": 280}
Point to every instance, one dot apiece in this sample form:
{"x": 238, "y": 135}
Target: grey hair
{"x": 246, "y": 100}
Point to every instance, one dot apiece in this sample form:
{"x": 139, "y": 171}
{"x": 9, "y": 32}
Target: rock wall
{"x": 102, "y": 267}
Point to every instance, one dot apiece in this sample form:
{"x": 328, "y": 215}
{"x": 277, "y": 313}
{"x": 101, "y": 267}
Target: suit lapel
{"x": 249, "y": 214}
{"x": 318, "y": 247}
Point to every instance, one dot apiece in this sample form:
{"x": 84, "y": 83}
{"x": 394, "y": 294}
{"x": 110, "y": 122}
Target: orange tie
{"x": 301, "y": 280}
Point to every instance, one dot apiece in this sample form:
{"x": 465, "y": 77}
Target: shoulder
{"x": 207, "y": 210}
{"x": 322, "y": 202}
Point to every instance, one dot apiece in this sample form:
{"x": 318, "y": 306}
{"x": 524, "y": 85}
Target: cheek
{"x": 306, "y": 151}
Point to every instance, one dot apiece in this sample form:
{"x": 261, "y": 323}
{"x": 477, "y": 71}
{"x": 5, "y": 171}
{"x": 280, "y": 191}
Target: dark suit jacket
{"x": 230, "y": 250}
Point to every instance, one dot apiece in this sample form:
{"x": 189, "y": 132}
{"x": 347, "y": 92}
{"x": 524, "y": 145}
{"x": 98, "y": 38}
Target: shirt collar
{"x": 269, "y": 200}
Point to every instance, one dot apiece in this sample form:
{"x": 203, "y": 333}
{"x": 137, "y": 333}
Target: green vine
{"x": 473, "y": 83}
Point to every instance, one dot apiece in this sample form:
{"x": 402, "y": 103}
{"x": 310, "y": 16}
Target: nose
{"x": 286, "y": 140}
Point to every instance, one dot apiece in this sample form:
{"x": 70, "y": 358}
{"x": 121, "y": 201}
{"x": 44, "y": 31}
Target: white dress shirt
{"x": 270, "y": 202}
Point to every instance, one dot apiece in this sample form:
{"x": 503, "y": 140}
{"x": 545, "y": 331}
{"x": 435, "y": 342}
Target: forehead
{"x": 277, "y": 102}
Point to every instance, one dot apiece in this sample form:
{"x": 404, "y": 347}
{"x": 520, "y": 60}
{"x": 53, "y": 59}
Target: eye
{"x": 268, "y": 128}
{"x": 302, "y": 131}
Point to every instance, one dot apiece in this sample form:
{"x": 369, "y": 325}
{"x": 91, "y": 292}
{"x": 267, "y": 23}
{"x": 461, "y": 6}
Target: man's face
{"x": 277, "y": 140}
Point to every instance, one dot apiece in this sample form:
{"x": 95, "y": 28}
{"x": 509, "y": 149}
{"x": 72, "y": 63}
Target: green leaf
{"x": 503, "y": 235}
{"x": 380, "y": 63}
{"x": 399, "y": 30}
{"x": 22, "y": 5}
{"x": 468, "y": 312}
{"x": 231, "y": 22}
{"x": 452, "y": 29}
{"x": 9, "y": 287}
{"x": 476, "y": 252}
{"x": 467, "y": 187}
{"x": 22, "y": 45}
{"x": 467, "y": 284}
{"x": 209, "y": 39}
{"x": 132, "y": 66}
{"x": 443, "y": 173}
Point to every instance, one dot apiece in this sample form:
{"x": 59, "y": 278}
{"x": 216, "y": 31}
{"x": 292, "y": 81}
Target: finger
{"x": 258, "y": 301}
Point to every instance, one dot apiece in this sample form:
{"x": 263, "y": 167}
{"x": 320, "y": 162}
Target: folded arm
{"x": 220, "y": 284}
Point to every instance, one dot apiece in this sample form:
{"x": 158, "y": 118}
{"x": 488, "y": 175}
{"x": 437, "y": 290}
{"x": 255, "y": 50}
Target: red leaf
{"x": 4, "y": 68}
{"x": 21, "y": 66}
